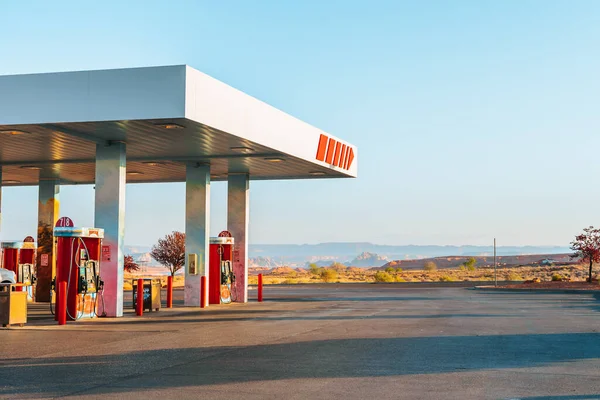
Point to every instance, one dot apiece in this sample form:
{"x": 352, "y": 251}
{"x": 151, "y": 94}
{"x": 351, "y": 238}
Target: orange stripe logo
{"x": 335, "y": 153}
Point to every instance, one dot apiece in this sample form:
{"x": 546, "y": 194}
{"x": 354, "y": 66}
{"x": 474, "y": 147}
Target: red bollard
{"x": 260, "y": 288}
{"x": 170, "y": 291}
{"x": 139, "y": 306}
{"x": 61, "y": 306}
{"x": 203, "y": 292}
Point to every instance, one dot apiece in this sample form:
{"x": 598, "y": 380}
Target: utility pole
{"x": 495, "y": 265}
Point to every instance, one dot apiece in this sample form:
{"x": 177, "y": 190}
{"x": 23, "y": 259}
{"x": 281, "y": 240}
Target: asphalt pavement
{"x": 319, "y": 342}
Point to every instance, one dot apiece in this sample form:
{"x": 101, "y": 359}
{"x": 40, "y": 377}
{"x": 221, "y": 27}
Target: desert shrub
{"x": 329, "y": 275}
{"x": 390, "y": 270}
{"x": 381, "y": 276}
{"x": 400, "y": 279}
{"x": 557, "y": 278}
{"x": 462, "y": 267}
{"x": 514, "y": 277}
{"x": 313, "y": 268}
{"x": 289, "y": 282}
{"x": 446, "y": 278}
{"x": 470, "y": 264}
{"x": 429, "y": 266}
{"x": 398, "y": 270}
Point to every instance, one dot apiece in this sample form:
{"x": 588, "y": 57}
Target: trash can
{"x": 152, "y": 289}
{"x": 13, "y": 306}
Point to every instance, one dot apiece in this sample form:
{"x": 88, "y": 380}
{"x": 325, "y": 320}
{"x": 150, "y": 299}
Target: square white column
{"x": 238, "y": 212}
{"x": 197, "y": 225}
{"x": 110, "y": 216}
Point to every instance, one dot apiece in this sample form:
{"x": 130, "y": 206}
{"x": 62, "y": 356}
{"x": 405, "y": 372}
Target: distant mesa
{"x": 504, "y": 261}
{"x": 367, "y": 259}
{"x": 369, "y": 255}
{"x": 282, "y": 271}
{"x": 253, "y": 271}
{"x": 263, "y": 261}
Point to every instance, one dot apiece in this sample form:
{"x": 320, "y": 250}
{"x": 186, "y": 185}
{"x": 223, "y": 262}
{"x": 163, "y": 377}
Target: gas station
{"x": 145, "y": 125}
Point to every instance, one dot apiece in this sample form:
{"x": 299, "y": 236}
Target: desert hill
{"x": 504, "y": 261}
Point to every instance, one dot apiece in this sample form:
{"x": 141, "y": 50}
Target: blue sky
{"x": 473, "y": 119}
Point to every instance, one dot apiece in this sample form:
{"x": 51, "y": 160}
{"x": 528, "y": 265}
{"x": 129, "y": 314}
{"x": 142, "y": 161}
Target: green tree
{"x": 329, "y": 275}
{"x": 382, "y": 276}
{"x": 470, "y": 263}
{"x": 398, "y": 270}
{"x": 429, "y": 266}
{"x": 390, "y": 270}
{"x": 313, "y": 268}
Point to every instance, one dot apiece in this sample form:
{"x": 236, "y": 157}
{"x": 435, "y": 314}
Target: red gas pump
{"x": 26, "y": 266}
{"x": 18, "y": 257}
{"x": 78, "y": 264}
{"x": 10, "y": 256}
{"x": 27, "y": 253}
{"x": 220, "y": 273}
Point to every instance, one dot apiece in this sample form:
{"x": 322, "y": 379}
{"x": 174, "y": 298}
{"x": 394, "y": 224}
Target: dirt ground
{"x": 561, "y": 274}
{"x": 568, "y": 273}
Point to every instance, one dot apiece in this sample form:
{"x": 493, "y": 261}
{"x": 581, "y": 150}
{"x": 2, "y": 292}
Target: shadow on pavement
{"x": 375, "y": 357}
{"x": 360, "y": 299}
{"x": 206, "y": 318}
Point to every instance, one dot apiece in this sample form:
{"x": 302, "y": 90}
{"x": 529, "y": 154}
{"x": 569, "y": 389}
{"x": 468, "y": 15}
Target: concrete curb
{"x": 531, "y": 290}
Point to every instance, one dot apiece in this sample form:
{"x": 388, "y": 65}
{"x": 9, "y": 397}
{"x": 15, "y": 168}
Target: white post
{"x": 197, "y": 225}
{"x": 495, "y": 266}
{"x": 238, "y": 212}
{"x": 110, "y": 216}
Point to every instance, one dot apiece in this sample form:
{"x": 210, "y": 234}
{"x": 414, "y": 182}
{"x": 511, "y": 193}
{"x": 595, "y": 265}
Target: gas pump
{"x": 26, "y": 266}
{"x": 77, "y": 264}
{"x": 220, "y": 275}
{"x": 10, "y": 257}
{"x": 18, "y": 257}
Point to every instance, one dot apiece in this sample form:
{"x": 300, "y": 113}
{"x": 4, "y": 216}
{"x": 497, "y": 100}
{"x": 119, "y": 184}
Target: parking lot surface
{"x": 319, "y": 342}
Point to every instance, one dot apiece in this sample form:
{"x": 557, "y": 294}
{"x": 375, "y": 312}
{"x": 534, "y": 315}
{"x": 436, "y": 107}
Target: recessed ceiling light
{"x": 274, "y": 159}
{"x": 317, "y": 173}
{"x": 153, "y": 163}
{"x": 169, "y": 125}
{"x": 134, "y": 173}
{"x": 14, "y": 132}
{"x": 242, "y": 149}
{"x": 9, "y": 182}
{"x": 34, "y": 167}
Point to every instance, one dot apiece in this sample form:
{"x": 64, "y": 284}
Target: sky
{"x": 473, "y": 119}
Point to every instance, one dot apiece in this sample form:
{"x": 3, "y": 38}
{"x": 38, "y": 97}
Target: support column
{"x": 238, "y": 211}
{"x": 48, "y": 214}
{"x": 110, "y": 216}
{"x": 197, "y": 223}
